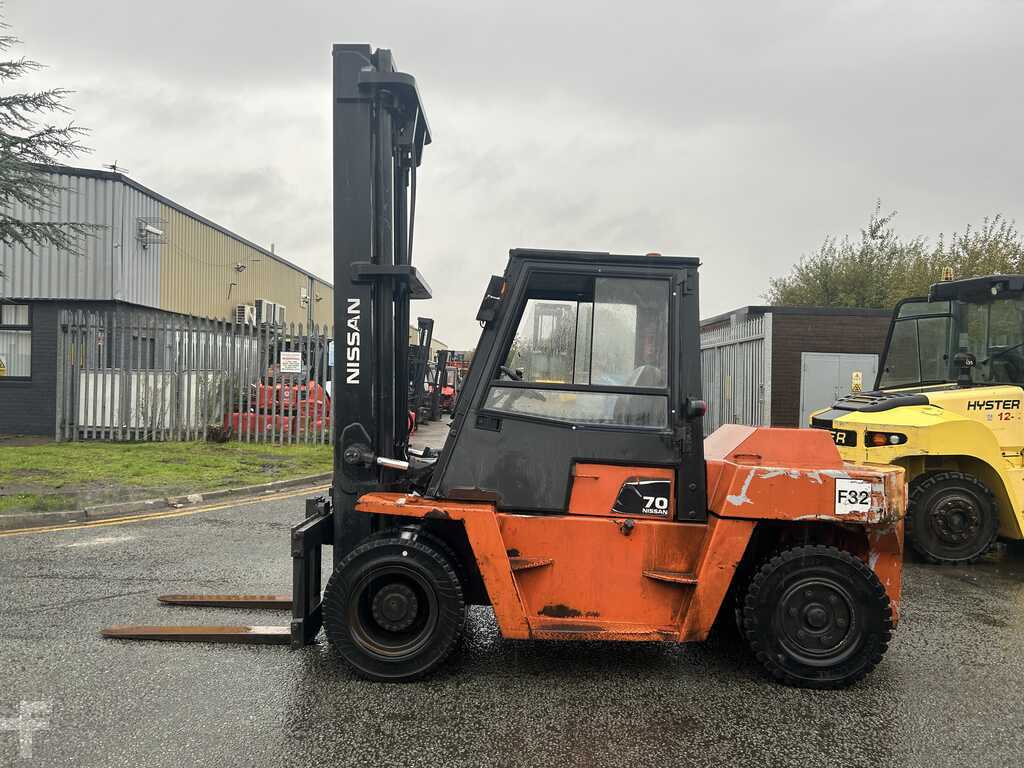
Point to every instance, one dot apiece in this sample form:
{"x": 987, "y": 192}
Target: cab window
{"x": 589, "y": 351}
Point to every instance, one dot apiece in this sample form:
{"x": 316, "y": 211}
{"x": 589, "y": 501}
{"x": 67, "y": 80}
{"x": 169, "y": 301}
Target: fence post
{"x": 243, "y": 374}
{"x": 60, "y": 376}
{"x": 260, "y": 375}
{"x": 221, "y": 336}
{"x": 327, "y": 426}
{"x": 202, "y": 388}
{"x": 102, "y": 371}
{"x": 229, "y": 406}
{"x": 117, "y": 375}
{"x": 311, "y": 389}
{"x": 70, "y": 354}
{"x": 296, "y": 339}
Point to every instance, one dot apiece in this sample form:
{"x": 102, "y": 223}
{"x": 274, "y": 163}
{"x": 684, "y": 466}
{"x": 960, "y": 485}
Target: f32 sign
{"x": 853, "y": 497}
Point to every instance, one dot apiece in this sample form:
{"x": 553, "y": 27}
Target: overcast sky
{"x": 742, "y": 133}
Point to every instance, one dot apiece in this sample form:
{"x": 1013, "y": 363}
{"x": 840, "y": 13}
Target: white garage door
{"x": 827, "y": 376}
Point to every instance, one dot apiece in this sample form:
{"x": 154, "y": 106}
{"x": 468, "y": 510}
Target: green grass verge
{"x": 71, "y": 475}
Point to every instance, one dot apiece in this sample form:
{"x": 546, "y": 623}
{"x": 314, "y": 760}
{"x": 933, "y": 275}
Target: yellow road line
{"x": 141, "y": 518}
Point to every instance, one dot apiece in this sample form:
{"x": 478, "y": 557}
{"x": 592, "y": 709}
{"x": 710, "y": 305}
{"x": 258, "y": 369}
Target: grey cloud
{"x": 739, "y": 132}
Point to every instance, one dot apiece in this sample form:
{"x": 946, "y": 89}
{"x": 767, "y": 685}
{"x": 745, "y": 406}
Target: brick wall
{"x": 861, "y": 333}
{"x": 30, "y": 407}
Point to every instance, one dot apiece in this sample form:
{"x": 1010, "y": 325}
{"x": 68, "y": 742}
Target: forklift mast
{"x": 419, "y": 356}
{"x": 380, "y": 130}
{"x": 440, "y": 373}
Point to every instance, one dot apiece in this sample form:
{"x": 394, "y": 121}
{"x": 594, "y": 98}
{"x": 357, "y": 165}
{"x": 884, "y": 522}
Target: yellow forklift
{"x": 947, "y": 408}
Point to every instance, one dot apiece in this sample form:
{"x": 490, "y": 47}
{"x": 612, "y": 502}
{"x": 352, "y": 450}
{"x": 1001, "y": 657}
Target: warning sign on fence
{"x": 291, "y": 362}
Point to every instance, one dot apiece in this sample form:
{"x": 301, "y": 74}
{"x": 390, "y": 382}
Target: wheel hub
{"x": 816, "y": 619}
{"x": 955, "y": 519}
{"x": 395, "y": 607}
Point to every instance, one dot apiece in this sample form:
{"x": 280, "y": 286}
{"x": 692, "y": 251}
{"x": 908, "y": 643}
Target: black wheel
{"x": 394, "y": 607}
{"x": 951, "y": 518}
{"x": 817, "y": 617}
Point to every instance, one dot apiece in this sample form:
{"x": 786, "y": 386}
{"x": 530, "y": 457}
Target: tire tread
{"x": 750, "y": 627}
{"x": 924, "y": 483}
{"x": 333, "y": 606}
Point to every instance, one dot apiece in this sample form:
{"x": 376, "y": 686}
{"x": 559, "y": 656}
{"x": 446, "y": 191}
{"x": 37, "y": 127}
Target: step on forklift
{"x": 946, "y": 407}
{"x": 574, "y": 494}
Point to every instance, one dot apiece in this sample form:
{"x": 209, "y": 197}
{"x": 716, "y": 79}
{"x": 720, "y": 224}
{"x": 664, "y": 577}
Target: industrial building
{"x": 773, "y": 366}
{"x": 146, "y": 252}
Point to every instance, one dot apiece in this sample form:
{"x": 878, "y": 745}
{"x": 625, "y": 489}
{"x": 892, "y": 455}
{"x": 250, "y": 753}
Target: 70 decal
{"x": 656, "y": 502}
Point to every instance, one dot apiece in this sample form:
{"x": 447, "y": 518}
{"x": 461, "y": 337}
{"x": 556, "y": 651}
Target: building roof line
{"x": 761, "y": 309}
{"x": 91, "y": 173}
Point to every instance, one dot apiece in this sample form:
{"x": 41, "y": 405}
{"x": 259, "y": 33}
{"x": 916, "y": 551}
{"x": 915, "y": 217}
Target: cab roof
{"x": 601, "y": 257}
{"x": 975, "y": 287}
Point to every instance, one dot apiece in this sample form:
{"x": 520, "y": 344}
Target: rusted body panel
{"x": 596, "y": 486}
{"x": 596, "y": 574}
{"x": 790, "y": 474}
{"x": 885, "y": 557}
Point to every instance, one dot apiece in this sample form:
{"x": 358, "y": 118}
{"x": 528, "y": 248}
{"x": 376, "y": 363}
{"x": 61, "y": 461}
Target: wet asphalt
{"x": 949, "y": 691}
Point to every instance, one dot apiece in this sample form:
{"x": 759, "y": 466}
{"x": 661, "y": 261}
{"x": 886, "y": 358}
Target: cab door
{"x": 571, "y": 425}
{"x": 582, "y": 369}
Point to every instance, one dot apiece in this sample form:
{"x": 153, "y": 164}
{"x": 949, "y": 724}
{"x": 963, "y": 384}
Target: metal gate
{"x": 136, "y": 375}
{"x": 736, "y": 373}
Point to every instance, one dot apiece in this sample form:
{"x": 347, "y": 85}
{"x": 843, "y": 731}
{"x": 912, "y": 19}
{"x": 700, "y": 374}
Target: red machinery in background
{"x": 283, "y": 404}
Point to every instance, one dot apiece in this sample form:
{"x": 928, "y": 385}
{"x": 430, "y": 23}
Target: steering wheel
{"x": 529, "y": 393}
{"x": 1001, "y": 352}
{"x": 1012, "y": 365}
{"x": 510, "y": 373}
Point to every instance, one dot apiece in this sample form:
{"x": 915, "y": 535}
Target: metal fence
{"x": 736, "y": 372}
{"x": 144, "y": 376}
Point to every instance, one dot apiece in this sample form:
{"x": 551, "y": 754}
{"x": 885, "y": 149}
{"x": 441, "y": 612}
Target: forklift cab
{"x": 579, "y": 377}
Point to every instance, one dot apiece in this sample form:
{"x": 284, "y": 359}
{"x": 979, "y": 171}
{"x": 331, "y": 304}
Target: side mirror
{"x": 964, "y": 361}
{"x": 694, "y": 409}
{"x": 496, "y": 289}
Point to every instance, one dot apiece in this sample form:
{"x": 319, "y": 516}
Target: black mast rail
{"x": 380, "y": 130}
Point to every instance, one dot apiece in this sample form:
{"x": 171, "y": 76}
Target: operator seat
{"x": 639, "y": 410}
{"x": 1006, "y": 370}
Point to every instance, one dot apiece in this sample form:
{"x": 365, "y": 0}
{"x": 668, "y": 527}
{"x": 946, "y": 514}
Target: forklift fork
{"x": 308, "y": 539}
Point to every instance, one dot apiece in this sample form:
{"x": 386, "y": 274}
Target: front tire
{"x": 817, "y": 617}
{"x": 394, "y": 607}
{"x": 951, "y": 518}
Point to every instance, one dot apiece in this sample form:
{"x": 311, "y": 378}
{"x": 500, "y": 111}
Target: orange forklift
{"x": 574, "y": 494}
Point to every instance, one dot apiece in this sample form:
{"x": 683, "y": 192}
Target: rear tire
{"x": 951, "y": 518}
{"x": 394, "y": 608}
{"x": 817, "y": 617}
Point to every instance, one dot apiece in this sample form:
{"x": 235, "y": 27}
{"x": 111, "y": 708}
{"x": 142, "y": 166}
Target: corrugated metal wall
{"x": 323, "y": 310}
{"x": 198, "y": 274}
{"x": 736, "y": 373}
{"x": 113, "y": 264}
{"x": 191, "y": 272}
